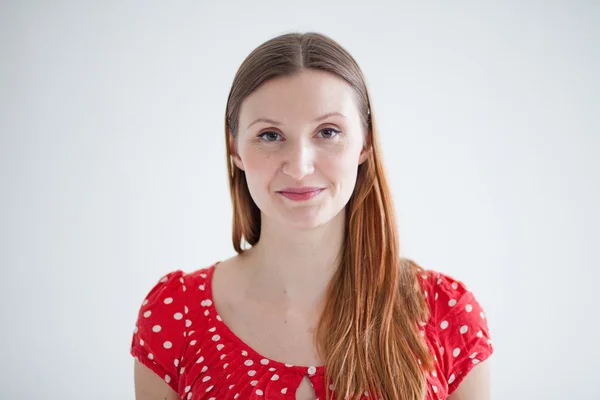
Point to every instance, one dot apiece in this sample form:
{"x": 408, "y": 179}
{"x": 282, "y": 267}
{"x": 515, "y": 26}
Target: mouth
{"x": 301, "y": 194}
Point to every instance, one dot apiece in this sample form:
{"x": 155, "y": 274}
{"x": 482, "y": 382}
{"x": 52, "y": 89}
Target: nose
{"x": 299, "y": 161}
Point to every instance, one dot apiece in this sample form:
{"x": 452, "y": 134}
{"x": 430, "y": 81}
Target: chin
{"x": 304, "y": 220}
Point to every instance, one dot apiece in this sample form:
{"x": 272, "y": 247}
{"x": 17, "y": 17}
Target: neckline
{"x": 299, "y": 369}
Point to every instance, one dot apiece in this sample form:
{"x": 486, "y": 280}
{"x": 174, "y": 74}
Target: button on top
{"x": 312, "y": 370}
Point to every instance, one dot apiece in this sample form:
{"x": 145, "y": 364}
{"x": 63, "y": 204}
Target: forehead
{"x": 302, "y": 96}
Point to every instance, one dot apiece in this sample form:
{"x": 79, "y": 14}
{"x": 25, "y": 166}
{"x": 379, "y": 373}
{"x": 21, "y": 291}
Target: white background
{"x": 113, "y": 170}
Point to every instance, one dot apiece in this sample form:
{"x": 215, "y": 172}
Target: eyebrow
{"x": 274, "y": 122}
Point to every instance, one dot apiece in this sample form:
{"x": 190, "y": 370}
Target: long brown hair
{"x": 367, "y": 334}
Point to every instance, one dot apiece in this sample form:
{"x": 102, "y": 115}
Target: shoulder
{"x": 460, "y": 337}
{"x": 164, "y": 319}
{"x": 446, "y": 294}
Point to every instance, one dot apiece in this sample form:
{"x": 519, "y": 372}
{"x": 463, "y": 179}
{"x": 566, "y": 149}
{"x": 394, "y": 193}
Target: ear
{"x": 366, "y": 150}
{"x": 233, "y": 151}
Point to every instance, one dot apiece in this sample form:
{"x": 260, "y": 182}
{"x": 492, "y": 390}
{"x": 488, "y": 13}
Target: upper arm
{"x": 475, "y": 386}
{"x": 149, "y": 386}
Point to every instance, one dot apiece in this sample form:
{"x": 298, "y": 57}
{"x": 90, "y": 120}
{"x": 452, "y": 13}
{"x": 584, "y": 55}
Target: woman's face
{"x": 297, "y": 132}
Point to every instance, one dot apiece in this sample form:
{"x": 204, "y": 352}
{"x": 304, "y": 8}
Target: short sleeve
{"x": 461, "y": 326}
{"x": 159, "y": 335}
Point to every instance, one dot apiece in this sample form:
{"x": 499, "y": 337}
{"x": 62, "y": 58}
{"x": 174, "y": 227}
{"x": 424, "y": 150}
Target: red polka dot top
{"x": 180, "y": 336}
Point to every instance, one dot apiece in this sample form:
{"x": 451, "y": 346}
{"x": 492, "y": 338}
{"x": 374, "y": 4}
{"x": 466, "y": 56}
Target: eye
{"x": 269, "y": 136}
{"x": 329, "y": 133}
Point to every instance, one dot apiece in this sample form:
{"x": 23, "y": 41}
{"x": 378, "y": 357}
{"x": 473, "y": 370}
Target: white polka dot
{"x": 189, "y": 396}
{"x": 187, "y": 388}
{"x": 208, "y": 389}
{"x": 156, "y": 328}
{"x": 454, "y": 285}
{"x": 204, "y": 369}
{"x": 244, "y": 353}
{"x": 201, "y": 287}
{"x": 479, "y": 334}
{"x": 167, "y": 378}
{"x": 181, "y": 370}
{"x": 214, "y": 328}
{"x": 225, "y": 365}
{"x": 272, "y": 369}
{"x": 436, "y": 296}
{"x": 231, "y": 386}
{"x": 164, "y": 279}
{"x": 441, "y": 350}
{"x": 253, "y": 383}
{"x": 444, "y": 324}
{"x": 200, "y": 360}
{"x": 203, "y": 275}
{"x": 188, "y": 323}
{"x": 452, "y": 302}
{"x": 435, "y": 389}
{"x": 141, "y": 342}
{"x": 135, "y": 330}
{"x": 312, "y": 370}
{"x": 482, "y": 315}
{"x": 216, "y": 338}
{"x": 469, "y": 308}
{"x": 145, "y": 302}
{"x": 150, "y": 356}
{"x": 147, "y": 314}
{"x": 473, "y": 355}
{"x": 236, "y": 396}
{"x": 220, "y": 346}
{"x": 451, "y": 379}
{"x": 259, "y": 392}
{"x": 176, "y": 362}
{"x": 252, "y": 372}
{"x": 206, "y": 379}
{"x": 248, "y": 363}
{"x": 193, "y": 342}
{"x": 264, "y": 361}
{"x": 464, "y": 329}
{"x": 475, "y": 361}
{"x": 206, "y": 313}
{"x": 274, "y": 377}
{"x": 456, "y": 352}
{"x": 169, "y": 300}
{"x": 167, "y": 344}
{"x": 178, "y": 316}
{"x": 284, "y": 390}
{"x": 289, "y": 365}
{"x": 186, "y": 309}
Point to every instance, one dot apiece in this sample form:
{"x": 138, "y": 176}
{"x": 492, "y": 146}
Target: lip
{"x": 301, "y": 194}
{"x": 303, "y": 189}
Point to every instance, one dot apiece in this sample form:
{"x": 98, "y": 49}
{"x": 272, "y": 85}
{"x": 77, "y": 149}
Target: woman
{"x": 321, "y": 305}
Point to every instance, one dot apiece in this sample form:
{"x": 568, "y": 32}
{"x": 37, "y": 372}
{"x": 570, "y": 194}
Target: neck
{"x": 295, "y": 266}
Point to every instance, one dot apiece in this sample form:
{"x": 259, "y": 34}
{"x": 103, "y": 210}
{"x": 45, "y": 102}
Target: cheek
{"x": 259, "y": 167}
{"x": 340, "y": 167}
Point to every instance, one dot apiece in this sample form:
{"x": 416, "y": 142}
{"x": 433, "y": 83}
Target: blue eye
{"x": 332, "y": 133}
{"x": 269, "y": 136}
